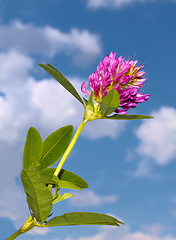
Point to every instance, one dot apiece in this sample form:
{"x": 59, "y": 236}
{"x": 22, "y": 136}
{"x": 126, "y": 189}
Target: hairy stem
{"x": 70, "y": 147}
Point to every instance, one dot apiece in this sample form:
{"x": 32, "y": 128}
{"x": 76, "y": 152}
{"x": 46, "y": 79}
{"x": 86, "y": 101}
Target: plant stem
{"x": 28, "y": 225}
{"x": 15, "y": 235}
{"x": 71, "y": 145}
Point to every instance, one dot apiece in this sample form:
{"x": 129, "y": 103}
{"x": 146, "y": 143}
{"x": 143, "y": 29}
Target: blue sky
{"x": 130, "y": 166}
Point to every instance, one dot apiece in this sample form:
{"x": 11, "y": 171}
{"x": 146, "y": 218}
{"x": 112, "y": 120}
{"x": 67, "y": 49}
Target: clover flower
{"x": 122, "y": 75}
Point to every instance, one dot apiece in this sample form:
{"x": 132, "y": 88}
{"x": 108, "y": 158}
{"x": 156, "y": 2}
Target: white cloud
{"x": 124, "y": 233}
{"x": 144, "y": 169}
{"x": 111, "y": 4}
{"x": 19, "y": 110}
{"x": 154, "y": 229}
{"x": 12, "y": 199}
{"x": 95, "y": 4}
{"x": 104, "y": 128}
{"x": 54, "y": 105}
{"x": 30, "y": 102}
{"x": 90, "y": 199}
{"x": 12, "y": 202}
{"x": 158, "y": 136}
{"x": 43, "y": 104}
{"x": 82, "y": 45}
{"x": 14, "y": 69}
{"x": 39, "y": 231}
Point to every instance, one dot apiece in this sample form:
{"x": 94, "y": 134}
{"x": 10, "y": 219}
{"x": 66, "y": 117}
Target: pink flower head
{"x": 124, "y": 76}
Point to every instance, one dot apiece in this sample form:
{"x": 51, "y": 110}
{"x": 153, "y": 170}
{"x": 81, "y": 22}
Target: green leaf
{"x": 62, "y": 197}
{"x": 38, "y": 196}
{"x": 48, "y": 171}
{"x": 33, "y": 149}
{"x": 128, "y": 117}
{"x": 55, "y": 145}
{"x": 110, "y": 102}
{"x": 69, "y": 185}
{"x": 52, "y": 179}
{"x": 73, "y": 178}
{"x": 61, "y": 79}
{"x": 68, "y": 176}
{"x": 82, "y": 218}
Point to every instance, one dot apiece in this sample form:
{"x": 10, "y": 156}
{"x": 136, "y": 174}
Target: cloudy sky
{"x": 130, "y": 166}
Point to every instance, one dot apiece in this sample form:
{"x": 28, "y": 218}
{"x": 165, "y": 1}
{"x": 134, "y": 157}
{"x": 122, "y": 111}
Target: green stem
{"x": 28, "y": 225}
{"x": 15, "y": 235}
{"x": 30, "y": 222}
{"x": 72, "y": 143}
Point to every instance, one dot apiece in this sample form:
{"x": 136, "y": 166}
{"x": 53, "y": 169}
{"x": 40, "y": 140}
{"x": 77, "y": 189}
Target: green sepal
{"x": 127, "y": 117}
{"x": 55, "y": 145}
{"x": 90, "y": 103}
{"x": 62, "y": 197}
{"x": 110, "y": 102}
{"x": 38, "y": 196}
{"x": 33, "y": 150}
{"x": 82, "y": 218}
{"x": 54, "y": 72}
